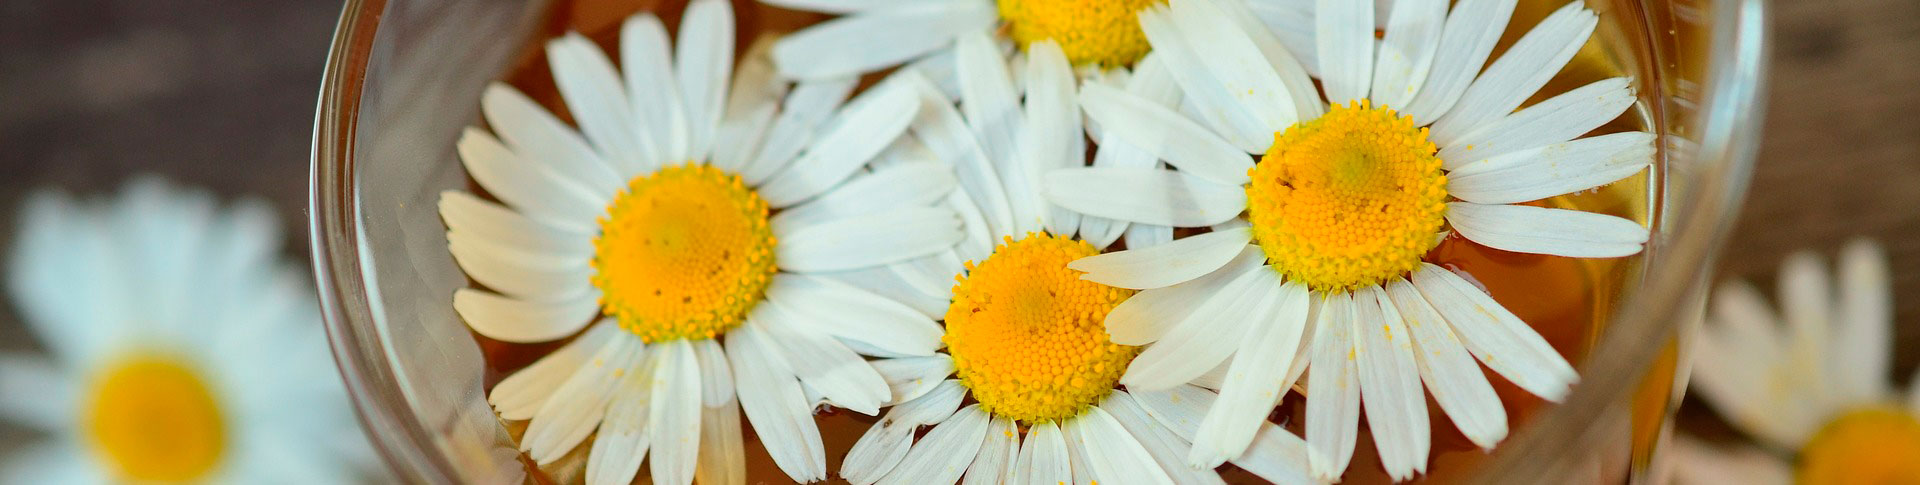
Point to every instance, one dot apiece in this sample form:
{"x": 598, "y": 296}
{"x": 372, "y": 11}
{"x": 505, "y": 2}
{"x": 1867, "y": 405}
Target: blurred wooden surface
{"x": 220, "y": 95}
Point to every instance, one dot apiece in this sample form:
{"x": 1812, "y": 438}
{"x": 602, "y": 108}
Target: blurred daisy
{"x": 654, "y": 234}
{"x": 1809, "y": 381}
{"x": 1344, "y": 203}
{"x": 1023, "y": 335}
{"x": 184, "y": 349}
{"x": 877, "y": 34}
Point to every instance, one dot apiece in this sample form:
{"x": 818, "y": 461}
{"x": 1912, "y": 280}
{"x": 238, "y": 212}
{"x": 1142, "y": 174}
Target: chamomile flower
{"x": 873, "y": 35}
{"x": 1808, "y": 381}
{"x": 1344, "y": 204}
{"x": 1024, "y": 334}
{"x": 184, "y": 349}
{"x": 651, "y": 235}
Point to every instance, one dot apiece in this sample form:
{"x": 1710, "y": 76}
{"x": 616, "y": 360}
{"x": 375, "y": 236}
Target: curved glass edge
{"x": 1716, "y": 155}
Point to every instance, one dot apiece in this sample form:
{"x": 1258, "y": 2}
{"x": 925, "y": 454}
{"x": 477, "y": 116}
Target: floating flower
{"x": 1342, "y": 206}
{"x": 185, "y": 349}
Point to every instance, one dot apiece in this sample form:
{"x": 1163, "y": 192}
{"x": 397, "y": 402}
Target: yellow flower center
{"x": 1874, "y": 445}
{"x": 153, "y": 419}
{"x": 1349, "y": 199}
{"x": 1027, "y": 335}
{"x": 683, "y": 253}
{"x": 1105, "y": 32}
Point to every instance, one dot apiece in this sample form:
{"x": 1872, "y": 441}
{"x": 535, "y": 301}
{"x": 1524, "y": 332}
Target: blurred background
{"x": 220, "y": 94}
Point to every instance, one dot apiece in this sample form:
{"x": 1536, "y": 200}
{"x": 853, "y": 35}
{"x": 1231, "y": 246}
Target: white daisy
{"x": 656, "y": 234}
{"x": 1023, "y": 331}
{"x": 1344, "y": 205}
{"x": 184, "y": 348}
{"x": 877, "y": 34}
{"x": 1809, "y": 381}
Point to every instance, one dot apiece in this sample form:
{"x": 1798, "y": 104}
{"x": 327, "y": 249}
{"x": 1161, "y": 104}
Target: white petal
{"x": 1695, "y": 462}
{"x": 1285, "y": 59}
{"x": 1291, "y": 21}
{"x": 877, "y": 38}
{"x": 1179, "y": 409}
{"x": 1164, "y": 265}
{"x": 1077, "y": 460}
{"x": 870, "y": 240}
{"x": 841, "y": 6}
{"x": 704, "y": 62}
{"x": 723, "y": 456}
{"x": 1232, "y": 57}
{"x": 673, "y": 420}
{"x": 1217, "y": 105}
{"x": 1333, "y": 400}
{"x": 998, "y": 454}
{"x": 621, "y": 442}
{"x": 1561, "y": 168}
{"x": 518, "y": 275}
{"x": 1519, "y": 72}
{"x": 832, "y": 308}
{"x": 560, "y": 424}
{"x": 1168, "y": 449}
{"x": 751, "y": 104}
{"x": 1141, "y": 235}
{"x": 820, "y": 362}
{"x": 865, "y": 127}
{"x": 771, "y": 397}
{"x": 1862, "y": 330}
{"x": 883, "y": 281}
{"x": 61, "y": 461}
{"x": 1052, "y": 138}
{"x": 1150, "y": 314}
{"x": 1045, "y": 454}
{"x": 35, "y": 393}
{"x": 523, "y": 392}
{"x": 989, "y": 98}
{"x": 941, "y": 69}
{"x": 1257, "y": 378}
{"x": 536, "y": 190}
{"x": 943, "y": 454}
{"x": 519, "y": 321}
{"x": 1166, "y": 134}
{"x": 1115, "y": 455}
{"x": 886, "y": 443}
{"x": 536, "y": 133}
{"x": 1204, "y": 338}
{"x": 1452, "y": 376}
{"x": 496, "y": 225}
{"x": 1555, "y": 120}
{"x": 1496, "y": 337}
{"x": 1343, "y": 35}
{"x": 1161, "y": 197}
{"x": 595, "y": 96}
{"x": 910, "y": 184}
{"x": 1473, "y": 27}
{"x": 908, "y": 378}
{"x": 1541, "y": 230}
{"x": 1407, "y": 52}
{"x": 947, "y": 136}
{"x": 805, "y": 109}
{"x": 654, "y": 91}
{"x": 1390, "y": 385}
{"x": 1278, "y": 456}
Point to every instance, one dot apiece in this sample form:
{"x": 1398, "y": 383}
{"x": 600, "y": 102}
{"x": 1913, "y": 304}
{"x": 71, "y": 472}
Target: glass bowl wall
{"x": 404, "y": 76}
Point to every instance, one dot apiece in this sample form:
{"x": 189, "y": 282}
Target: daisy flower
{"x": 184, "y": 349}
{"x": 873, "y": 35}
{"x": 1024, "y": 337}
{"x": 1808, "y": 381}
{"x": 678, "y": 216}
{"x": 1344, "y": 202}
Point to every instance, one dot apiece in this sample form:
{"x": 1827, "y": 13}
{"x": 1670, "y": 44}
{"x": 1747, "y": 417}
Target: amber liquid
{"x": 1568, "y": 301}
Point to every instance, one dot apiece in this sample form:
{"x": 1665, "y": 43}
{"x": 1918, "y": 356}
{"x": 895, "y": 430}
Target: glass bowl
{"x": 404, "y": 76}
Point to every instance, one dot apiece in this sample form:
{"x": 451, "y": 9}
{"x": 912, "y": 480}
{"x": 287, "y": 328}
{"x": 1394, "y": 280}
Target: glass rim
{"x": 1731, "y": 113}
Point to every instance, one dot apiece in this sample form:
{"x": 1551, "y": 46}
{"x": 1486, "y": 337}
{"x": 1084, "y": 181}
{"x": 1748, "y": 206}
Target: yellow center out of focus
{"x": 683, "y": 253}
{"x": 153, "y": 419}
{"x": 1026, "y": 333}
{"x": 1348, "y": 200}
{"x": 1872, "y": 445}
{"x": 1105, "y": 33}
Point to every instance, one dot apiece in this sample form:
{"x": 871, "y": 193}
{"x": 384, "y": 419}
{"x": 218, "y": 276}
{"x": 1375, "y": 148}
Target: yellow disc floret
{"x": 153, "y": 419}
{"x": 1348, "y": 200}
{"x": 1874, "y": 445}
{"x": 1105, "y": 32}
{"x": 683, "y": 253}
{"x": 1027, "y": 334}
